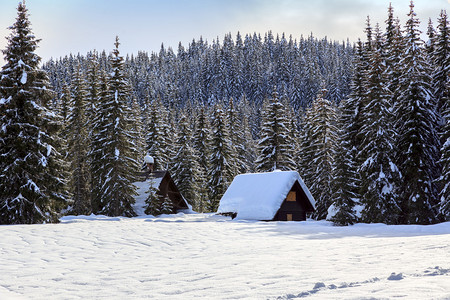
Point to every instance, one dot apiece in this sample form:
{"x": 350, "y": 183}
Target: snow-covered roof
{"x": 258, "y": 196}
{"x": 149, "y": 159}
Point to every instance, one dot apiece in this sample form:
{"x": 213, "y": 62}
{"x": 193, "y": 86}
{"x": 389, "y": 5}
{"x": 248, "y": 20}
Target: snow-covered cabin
{"x": 272, "y": 196}
{"x": 164, "y": 185}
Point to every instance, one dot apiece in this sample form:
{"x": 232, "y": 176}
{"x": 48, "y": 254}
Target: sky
{"x": 78, "y": 26}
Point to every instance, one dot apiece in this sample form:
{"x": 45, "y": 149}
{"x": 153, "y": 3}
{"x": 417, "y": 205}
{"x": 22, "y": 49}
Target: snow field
{"x": 210, "y": 257}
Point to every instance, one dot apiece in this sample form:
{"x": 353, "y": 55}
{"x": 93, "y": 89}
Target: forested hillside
{"x": 366, "y": 125}
{"x": 245, "y": 67}
{"x": 207, "y": 110}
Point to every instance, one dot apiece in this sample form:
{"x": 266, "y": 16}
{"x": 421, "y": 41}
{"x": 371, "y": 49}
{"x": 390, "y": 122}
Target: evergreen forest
{"x": 366, "y": 124}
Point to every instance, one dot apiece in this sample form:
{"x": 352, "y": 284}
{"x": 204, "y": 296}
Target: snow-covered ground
{"x": 211, "y": 257}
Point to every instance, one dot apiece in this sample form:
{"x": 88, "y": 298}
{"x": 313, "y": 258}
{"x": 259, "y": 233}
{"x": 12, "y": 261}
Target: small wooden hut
{"x": 167, "y": 187}
{"x": 272, "y": 196}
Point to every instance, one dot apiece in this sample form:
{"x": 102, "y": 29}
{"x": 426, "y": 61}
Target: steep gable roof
{"x": 258, "y": 196}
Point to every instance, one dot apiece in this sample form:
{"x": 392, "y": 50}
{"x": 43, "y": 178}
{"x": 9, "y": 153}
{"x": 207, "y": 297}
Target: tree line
{"x": 365, "y": 125}
{"x": 392, "y": 150}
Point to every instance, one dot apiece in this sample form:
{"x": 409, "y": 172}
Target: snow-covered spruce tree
{"x": 63, "y": 111}
{"x": 379, "y": 174}
{"x": 156, "y": 138}
{"x": 166, "y": 205}
{"x": 96, "y": 87}
{"x": 31, "y": 187}
{"x": 441, "y": 85}
{"x": 201, "y": 148}
{"x": 78, "y": 145}
{"x": 153, "y": 200}
{"x": 441, "y": 64}
{"x": 444, "y": 196}
{"x": 345, "y": 184}
{"x": 347, "y": 180}
{"x": 219, "y": 173}
{"x": 92, "y": 90}
{"x": 186, "y": 167}
{"x": 305, "y": 154}
{"x": 417, "y": 142}
{"x": 97, "y": 151}
{"x": 356, "y": 101}
{"x": 293, "y": 136}
{"x": 393, "y": 52}
{"x": 429, "y": 45}
{"x": 246, "y": 149}
{"x": 321, "y": 137}
{"x": 236, "y": 137}
{"x": 119, "y": 166}
{"x": 64, "y": 104}
{"x": 275, "y": 147}
{"x": 169, "y": 130}
{"x": 137, "y": 126}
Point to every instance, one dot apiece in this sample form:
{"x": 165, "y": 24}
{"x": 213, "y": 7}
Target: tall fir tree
{"x": 201, "y": 148}
{"x": 319, "y": 141}
{"x": 78, "y": 145}
{"x": 235, "y": 130}
{"x": 119, "y": 164}
{"x": 92, "y": 90}
{"x": 220, "y": 169}
{"x": 92, "y": 101}
{"x": 97, "y": 150}
{"x": 356, "y": 100}
{"x": 156, "y": 134}
{"x": 417, "y": 143}
{"x": 31, "y": 189}
{"x": 137, "y": 126}
{"x": 393, "y": 52}
{"x": 186, "y": 168}
{"x": 347, "y": 183}
{"x": 63, "y": 111}
{"x": 64, "y": 105}
{"x": 305, "y": 154}
{"x": 430, "y": 43}
{"x": 380, "y": 176}
{"x": 441, "y": 88}
{"x": 246, "y": 148}
{"x": 275, "y": 146}
{"x": 444, "y": 196}
{"x": 153, "y": 200}
{"x": 441, "y": 64}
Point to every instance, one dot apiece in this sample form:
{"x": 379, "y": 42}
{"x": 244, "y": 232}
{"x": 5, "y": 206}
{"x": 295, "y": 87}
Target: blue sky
{"x": 72, "y": 26}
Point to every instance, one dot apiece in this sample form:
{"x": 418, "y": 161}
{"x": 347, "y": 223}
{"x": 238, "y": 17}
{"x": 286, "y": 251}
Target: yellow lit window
{"x": 291, "y": 196}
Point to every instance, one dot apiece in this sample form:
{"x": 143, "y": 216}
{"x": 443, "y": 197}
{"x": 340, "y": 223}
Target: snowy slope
{"x": 210, "y": 257}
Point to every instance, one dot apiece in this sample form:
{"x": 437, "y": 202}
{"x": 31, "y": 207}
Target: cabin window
{"x": 288, "y": 217}
{"x": 291, "y": 196}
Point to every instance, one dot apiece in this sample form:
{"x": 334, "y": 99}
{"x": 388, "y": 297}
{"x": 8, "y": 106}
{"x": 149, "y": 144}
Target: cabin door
{"x": 288, "y": 217}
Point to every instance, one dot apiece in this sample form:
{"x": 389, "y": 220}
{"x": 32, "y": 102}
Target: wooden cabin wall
{"x": 293, "y": 210}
